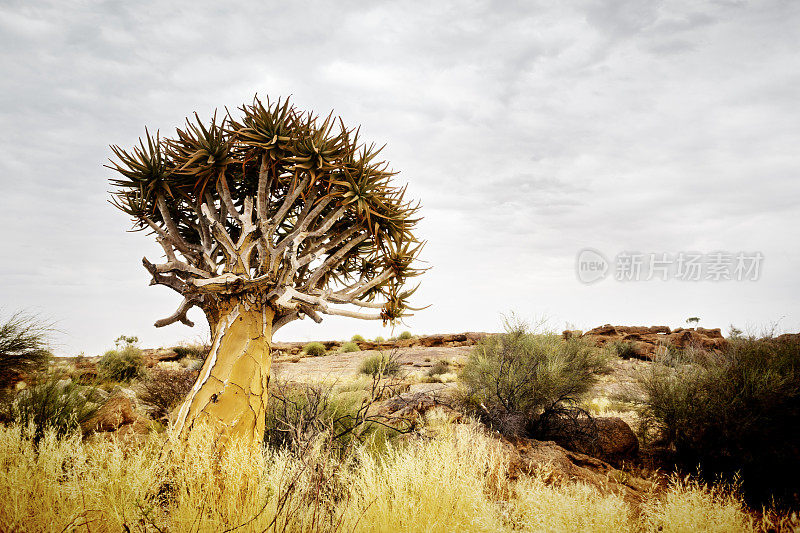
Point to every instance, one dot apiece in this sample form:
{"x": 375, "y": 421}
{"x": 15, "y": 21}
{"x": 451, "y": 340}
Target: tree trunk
{"x": 231, "y": 392}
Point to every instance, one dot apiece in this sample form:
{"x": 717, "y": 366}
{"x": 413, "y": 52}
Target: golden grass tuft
{"x": 690, "y": 506}
{"x": 454, "y": 481}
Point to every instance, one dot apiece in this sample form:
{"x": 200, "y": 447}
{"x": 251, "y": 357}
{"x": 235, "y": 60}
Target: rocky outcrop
{"x": 426, "y": 341}
{"x": 559, "y": 465}
{"x": 117, "y": 415}
{"x": 789, "y": 338}
{"x": 414, "y": 405}
{"x": 608, "y": 438}
{"x": 152, "y": 357}
{"x": 643, "y": 341}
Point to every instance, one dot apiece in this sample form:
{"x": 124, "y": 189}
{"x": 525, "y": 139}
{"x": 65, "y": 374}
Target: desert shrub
{"x": 191, "y": 364}
{"x": 380, "y": 365}
{"x": 734, "y": 332}
{"x": 624, "y": 349}
{"x": 692, "y": 506}
{"x": 524, "y": 383}
{"x": 23, "y": 346}
{"x": 670, "y": 354}
{"x": 728, "y": 413}
{"x": 357, "y": 338}
{"x": 442, "y": 366}
{"x": 126, "y": 340}
{"x": 191, "y": 351}
{"x": 298, "y": 415}
{"x": 165, "y": 389}
{"x": 350, "y": 347}
{"x": 314, "y": 349}
{"x": 405, "y": 335}
{"x": 379, "y": 339}
{"x": 123, "y": 364}
{"x": 53, "y": 404}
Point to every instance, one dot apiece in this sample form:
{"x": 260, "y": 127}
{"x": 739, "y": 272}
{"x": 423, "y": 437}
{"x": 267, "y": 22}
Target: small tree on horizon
{"x": 264, "y": 219}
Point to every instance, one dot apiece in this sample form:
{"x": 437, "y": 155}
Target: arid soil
{"x": 415, "y": 362}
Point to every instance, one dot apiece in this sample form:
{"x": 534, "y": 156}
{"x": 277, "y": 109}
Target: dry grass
{"x": 455, "y": 481}
{"x": 715, "y": 510}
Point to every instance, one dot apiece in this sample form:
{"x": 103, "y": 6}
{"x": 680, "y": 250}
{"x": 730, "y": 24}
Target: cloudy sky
{"x": 529, "y": 131}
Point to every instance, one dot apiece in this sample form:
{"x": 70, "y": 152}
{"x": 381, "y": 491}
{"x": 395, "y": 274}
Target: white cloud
{"x": 528, "y": 130}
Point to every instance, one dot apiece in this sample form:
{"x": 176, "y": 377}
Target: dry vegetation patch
{"x": 455, "y": 481}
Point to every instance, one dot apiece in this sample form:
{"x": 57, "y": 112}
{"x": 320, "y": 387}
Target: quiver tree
{"x": 264, "y": 219}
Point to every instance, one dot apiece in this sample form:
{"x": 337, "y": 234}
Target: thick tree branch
{"x": 171, "y": 281}
{"x": 333, "y": 260}
{"x": 225, "y": 193}
{"x": 179, "y": 315}
{"x": 172, "y": 228}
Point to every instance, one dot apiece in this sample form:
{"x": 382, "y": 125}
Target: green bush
{"x": 350, "y": 347}
{"x": 442, "y": 366}
{"x": 314, "y": 349}
{"x": 670, "y": 354}
{"x": 297, "y": 415}
{"x": 522, "y": 383}
{"x": 23, "y": 347}
{"x": 380, "y": 365}
{"x": 405, "y": 335}
{"x": 624, "y": 349}
{"x": 54, "y": 403}
{"x": 123, "y": 364}
{"x": 737, "y": 412}
{"x": 379, "y": 339}
{"x": 357, "y": 338}
{"x": 126, "y": 340}
{"x": 191, "y": 351}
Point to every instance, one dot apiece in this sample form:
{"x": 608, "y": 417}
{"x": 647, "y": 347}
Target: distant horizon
{"x": 538, "y": 326}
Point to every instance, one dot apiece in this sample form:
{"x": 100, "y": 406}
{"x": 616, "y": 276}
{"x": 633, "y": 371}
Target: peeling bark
{"x": 231, "y": 391}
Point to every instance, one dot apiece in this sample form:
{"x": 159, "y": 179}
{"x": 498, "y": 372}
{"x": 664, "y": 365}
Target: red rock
{"x": 560, "y": 465}
{"x": 606, "y": 437}
{"x": 646, "y": 340}
{"x": 115, "y": 413}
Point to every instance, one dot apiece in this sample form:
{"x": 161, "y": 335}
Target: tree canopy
{"x": 276, "y": 204}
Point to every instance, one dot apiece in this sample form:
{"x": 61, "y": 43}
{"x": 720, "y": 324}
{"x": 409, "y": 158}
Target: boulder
{"x": 138, "y": 428}
{"x": 715, "y": 333}
{"x": 115, "y": 413}
{"x": 685, "y": 338}
{"x": 559, "y": 465}
{"x": 414, "y": 405}
{"x": 117, "y": 418}
{"x": 130, "y": 394}
{"x": 607, "y": 437}
{"x": 153, "y": 357}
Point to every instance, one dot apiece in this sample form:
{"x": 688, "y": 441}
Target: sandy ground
{"x": 415, "y": 362}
